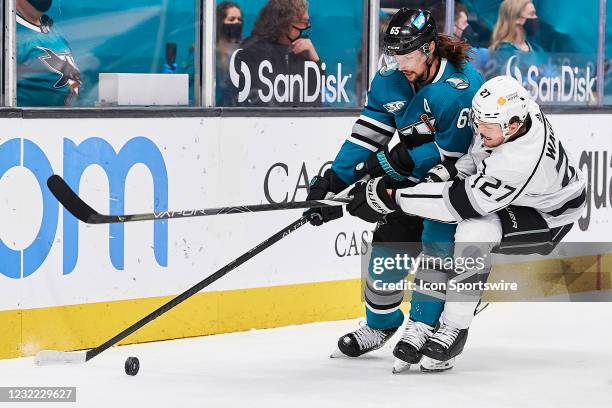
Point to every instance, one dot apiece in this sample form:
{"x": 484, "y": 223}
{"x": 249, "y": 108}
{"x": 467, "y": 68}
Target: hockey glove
{"x": 394, "y": 161}
{"x": 371, "y": 202}
{"x": 321, "y": 188}
{"x": 442, "y": 172}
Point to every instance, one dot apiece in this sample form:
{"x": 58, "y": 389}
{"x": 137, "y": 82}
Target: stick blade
{"x": 68, "y": 198}
{"x": 54, "y": 357}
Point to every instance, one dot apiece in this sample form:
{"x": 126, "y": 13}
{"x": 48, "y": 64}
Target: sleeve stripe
{"x": 371, "y": 134}
{"x": 367, "y": 145}
{"x": 374, "y": 122}
{"x": 405, "y": 195}
{"x": 366, "y": 140}
{"x": 375, "y": 128}
{"x": 445, "y": 197}
{"x": 571, "y": 204}
{"x": 460, "y": 201}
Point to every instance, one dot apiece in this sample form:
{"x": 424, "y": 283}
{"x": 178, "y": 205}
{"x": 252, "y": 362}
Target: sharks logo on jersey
{"x": 395, "y": 106}
{"x": 64, "y": 65}
{"x": 425, "y": 126}
{"x": 458, "y": 81}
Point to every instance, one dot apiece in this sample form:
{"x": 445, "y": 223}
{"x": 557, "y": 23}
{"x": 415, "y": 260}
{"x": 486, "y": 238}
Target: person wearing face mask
{"x": 229, "y": 36}
{"x": 280, "y": 44}
{"x": 516, "y": 26}
{"x": 47, "y": 74}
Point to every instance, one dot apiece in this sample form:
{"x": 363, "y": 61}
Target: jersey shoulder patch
{"x": 458, "y": 80}
{"x": 394, "y": 106}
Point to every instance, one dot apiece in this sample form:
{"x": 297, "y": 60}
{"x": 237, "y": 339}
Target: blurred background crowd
{"x": 293, "y": 53}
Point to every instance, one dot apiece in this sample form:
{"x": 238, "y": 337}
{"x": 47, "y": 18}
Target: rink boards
{"x": 67, "y": 285}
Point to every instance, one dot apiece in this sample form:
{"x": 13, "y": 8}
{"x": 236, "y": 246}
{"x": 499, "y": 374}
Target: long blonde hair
{"x": 505, "y": 30}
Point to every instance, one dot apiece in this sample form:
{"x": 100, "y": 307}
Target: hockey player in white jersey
{"x": 515, "y": 192}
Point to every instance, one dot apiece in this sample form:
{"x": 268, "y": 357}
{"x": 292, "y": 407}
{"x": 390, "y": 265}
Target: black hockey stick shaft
{"x": 81, "y": 210}
{"x": 198, "y": 287}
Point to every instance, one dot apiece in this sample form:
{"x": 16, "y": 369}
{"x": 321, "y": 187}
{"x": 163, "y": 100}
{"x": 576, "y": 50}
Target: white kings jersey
{"x": 533, "y": 170}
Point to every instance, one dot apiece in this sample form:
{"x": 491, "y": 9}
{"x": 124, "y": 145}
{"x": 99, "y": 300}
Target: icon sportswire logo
{"x": 288, "y": 87}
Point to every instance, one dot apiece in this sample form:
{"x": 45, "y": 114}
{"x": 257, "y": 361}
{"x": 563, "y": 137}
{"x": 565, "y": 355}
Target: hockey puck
{"x": 132, "y": 365}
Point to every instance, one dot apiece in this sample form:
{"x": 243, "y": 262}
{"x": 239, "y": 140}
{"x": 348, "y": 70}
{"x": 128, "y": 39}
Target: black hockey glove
{"x": 394, "y": 162}
{"x": 321, "y": 188}
{"x": 371, "y": 202}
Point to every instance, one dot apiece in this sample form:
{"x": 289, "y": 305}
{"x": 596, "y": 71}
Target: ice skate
{"x": 408, "y": 350}
{"x": 362, "y": 341}
{"x": 442, "y": 347}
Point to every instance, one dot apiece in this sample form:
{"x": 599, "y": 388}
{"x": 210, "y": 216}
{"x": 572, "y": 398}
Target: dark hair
{"x": 222, "y": 13}
{"x": 276, "y": 16}
{"x": 455, "y": 51}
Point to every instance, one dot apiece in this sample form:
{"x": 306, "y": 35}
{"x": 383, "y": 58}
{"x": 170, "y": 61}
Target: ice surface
{"x": 518, "y": 355}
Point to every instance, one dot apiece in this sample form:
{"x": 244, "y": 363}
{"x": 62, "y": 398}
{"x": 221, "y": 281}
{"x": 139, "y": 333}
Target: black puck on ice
{"x": 132, "y": 365}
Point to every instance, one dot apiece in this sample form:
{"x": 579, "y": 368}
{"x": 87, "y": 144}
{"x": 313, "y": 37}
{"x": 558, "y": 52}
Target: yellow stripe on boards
{"x": 85, "y": 326}
{"x": 10, "y": 338}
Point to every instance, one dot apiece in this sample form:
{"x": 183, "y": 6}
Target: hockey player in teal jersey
{"x": 416, "y": 116}
{"x": 47, "y": 74}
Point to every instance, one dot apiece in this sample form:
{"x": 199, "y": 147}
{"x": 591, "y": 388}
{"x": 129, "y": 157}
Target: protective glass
{"x": 390, "y": 60}
{"x": 393, "y": 61}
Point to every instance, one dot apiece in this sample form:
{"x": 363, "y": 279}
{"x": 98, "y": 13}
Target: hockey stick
{"x": 81, "y": 210}
{"x": 48, "y": 357}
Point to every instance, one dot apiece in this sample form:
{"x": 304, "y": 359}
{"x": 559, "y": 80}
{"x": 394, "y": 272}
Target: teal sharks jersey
{"x": 432, "y": 121}
{"x": 46, "y": 72}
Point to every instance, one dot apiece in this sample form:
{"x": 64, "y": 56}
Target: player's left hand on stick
{"x": 371, "y": 201}
{"x": 321, "y": 188}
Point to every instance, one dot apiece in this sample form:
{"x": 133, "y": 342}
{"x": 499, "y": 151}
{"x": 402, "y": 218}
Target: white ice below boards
{"x": 518, "y": 355}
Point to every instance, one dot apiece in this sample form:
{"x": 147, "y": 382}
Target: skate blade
{"x": 400, "y": 366}
{"x": 429, "y": 365}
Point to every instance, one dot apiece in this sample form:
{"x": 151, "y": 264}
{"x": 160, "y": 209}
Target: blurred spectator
{"x": 461, "y": 20}
{"x": 47, "y": 74}
{"x": 229, "y": 31}
{"x": 229, "y": 35}
{"x": 517, "y": 21}
{"x": 170, "y": 65}
{"x": 279, "y": 48}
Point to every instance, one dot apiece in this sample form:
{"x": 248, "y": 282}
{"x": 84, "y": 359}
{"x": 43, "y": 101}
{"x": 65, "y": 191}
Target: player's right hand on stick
{"x": 321, "y": 188}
